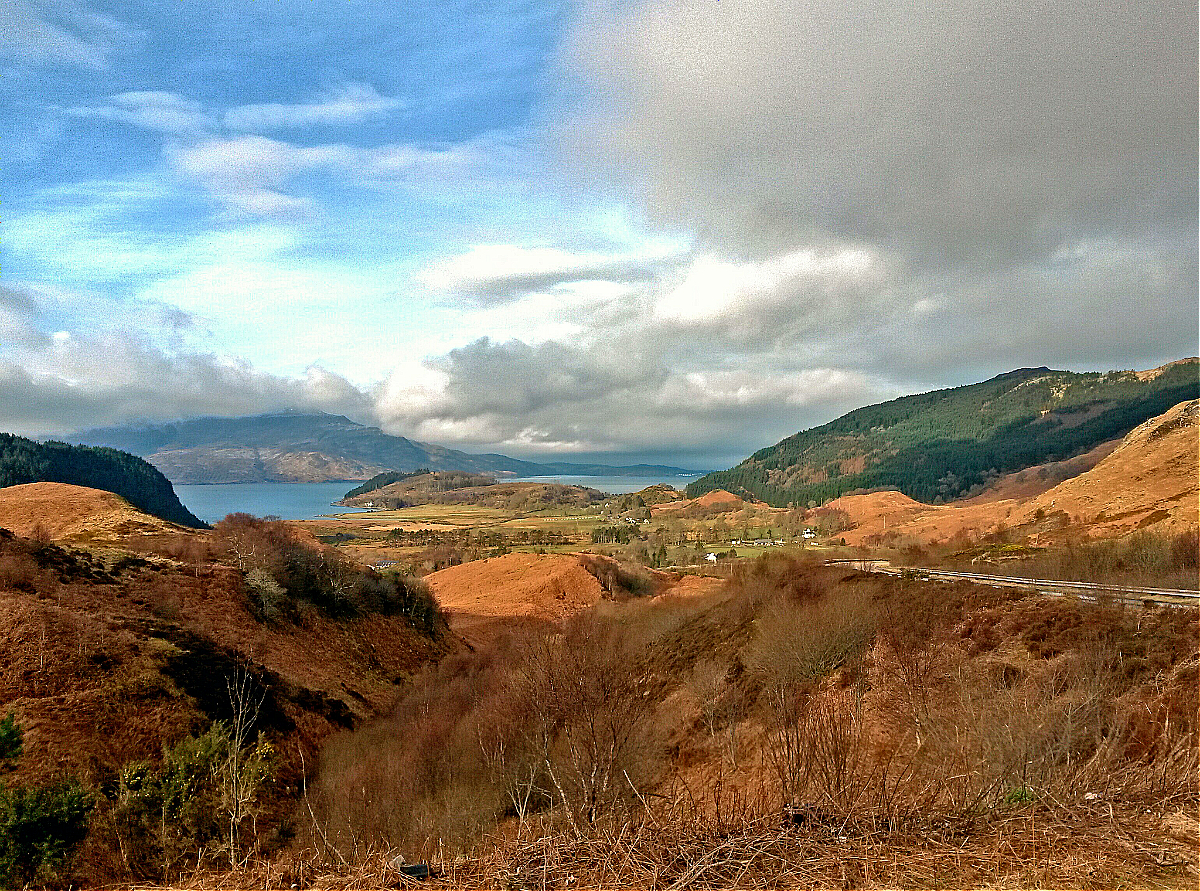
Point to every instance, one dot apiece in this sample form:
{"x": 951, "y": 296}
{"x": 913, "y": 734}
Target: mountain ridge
{"x": 293, "y": 446}
{"x": 950, "y": 443}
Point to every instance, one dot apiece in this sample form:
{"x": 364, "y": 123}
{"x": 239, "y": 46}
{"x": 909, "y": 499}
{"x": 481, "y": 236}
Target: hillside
{"x": 952, "y": 443}
{"x": 1149, "y": 481}
{"x": 486, "y": 597}
{"x": 62, "y": 512}
{"x": 450, "y": 487}
{"x": 116, "y": 666}
{"x": 311, "y": 447}
{"x": 791, "y": 726}
{"x": 142, "y": 485}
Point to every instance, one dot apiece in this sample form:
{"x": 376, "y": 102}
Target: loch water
{"x": 303, "y": 501}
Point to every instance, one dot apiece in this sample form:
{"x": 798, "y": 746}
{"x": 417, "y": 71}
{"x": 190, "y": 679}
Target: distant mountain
{"x": 310, "y": 447}
{"x": 25, "y": 461}
{"x": 560, "y": 468}
{"x": 945, "y": 444}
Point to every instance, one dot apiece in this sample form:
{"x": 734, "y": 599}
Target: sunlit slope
{"x": 73, "y": 513}
{"x": 25, "y": 461}
{"x": 1150, "y": 481}
{"x": 950, "y": 443}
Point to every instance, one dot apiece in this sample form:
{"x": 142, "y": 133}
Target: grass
{"x": 940, "y": 735}
{"x": 1095, "y": 846}
{"x": 931, "y": 734}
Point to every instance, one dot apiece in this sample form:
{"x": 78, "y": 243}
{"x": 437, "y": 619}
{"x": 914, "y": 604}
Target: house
{"x": 711, "y": 558}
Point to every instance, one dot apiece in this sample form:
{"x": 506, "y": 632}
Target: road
{"x": 1055, "y": 587}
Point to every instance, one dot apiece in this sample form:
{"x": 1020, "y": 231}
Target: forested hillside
{"x": 25, "y": 461}
{"x": 942, "y": 445}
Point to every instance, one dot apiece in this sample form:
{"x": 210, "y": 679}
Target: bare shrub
{"x": 796, "y": 643}
{"x": 880, "y": 709}
{"x": 592, "y": 707}
{"x": 18, "y": 570}
{"x": 815, "y": 745}
{"x": 443, "y": 767}
{"x": 1142, "y": 558}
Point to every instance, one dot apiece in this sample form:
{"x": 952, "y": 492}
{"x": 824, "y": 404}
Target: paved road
{"x": 1084, "y": 590}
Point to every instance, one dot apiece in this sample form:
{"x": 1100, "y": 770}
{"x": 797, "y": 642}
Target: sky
{"x": 639, "y": 230}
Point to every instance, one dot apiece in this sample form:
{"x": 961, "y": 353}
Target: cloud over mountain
{"x": 641, "y": 227}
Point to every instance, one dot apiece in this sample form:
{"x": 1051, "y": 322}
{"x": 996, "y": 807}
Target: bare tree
{"x": 594, "y": 713}
{"x": 242, "y": 772}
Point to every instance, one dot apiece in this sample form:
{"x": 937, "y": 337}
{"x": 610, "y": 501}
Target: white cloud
{"x": 70, "y": 379}
{"x": 250, "y": 173}
{"x": 170, "y": 113}
{"x": 154, "y": 110}
{"x": 347, "y": 104}
{"x": 505, "y": 271}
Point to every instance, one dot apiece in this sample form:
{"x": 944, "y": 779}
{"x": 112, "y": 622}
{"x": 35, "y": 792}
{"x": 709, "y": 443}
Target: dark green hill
{"x": 25, "y": 461}
{"x": 939, "y": 445}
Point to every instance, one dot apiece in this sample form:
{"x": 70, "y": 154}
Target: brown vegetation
{"x": 59, "y": 512}
{"x": 607, "y": 723}
{"x": 110, "y": 659}
{"x": 802, "y": 725}
{"x": 482, "y": 598}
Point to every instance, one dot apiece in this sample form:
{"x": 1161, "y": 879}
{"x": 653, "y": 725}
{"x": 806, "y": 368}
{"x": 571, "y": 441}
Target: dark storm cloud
{"x": 1021, "y": 177}
{"x": 955, "y": 133}
{"x": 624, "y": 396}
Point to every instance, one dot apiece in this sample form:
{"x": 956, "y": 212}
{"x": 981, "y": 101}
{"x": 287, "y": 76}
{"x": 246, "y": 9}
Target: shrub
{"x": 194, "y": 801}
{"x": 620, "y": 579}
{"x": 282, "y": 572}
{"x": 40, "y": 828}
{"x": 11, "y": 738}
{"x": 267, "y": 595}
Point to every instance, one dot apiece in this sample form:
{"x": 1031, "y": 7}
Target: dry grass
{"x": 57, "y": 511}
{"x": 922, "y": 735}
{"x": 1093, "y": 846}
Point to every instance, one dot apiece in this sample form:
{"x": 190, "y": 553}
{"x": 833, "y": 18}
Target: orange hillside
{"x": 73, "y": 512}
{"x": 482, "y": 596}
{"x": 1149, "y": 481}
{"x": 708, "y": 499}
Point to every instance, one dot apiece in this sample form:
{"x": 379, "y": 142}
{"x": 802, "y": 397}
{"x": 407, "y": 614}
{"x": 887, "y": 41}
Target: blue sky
{"x": 623, "y": 230}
